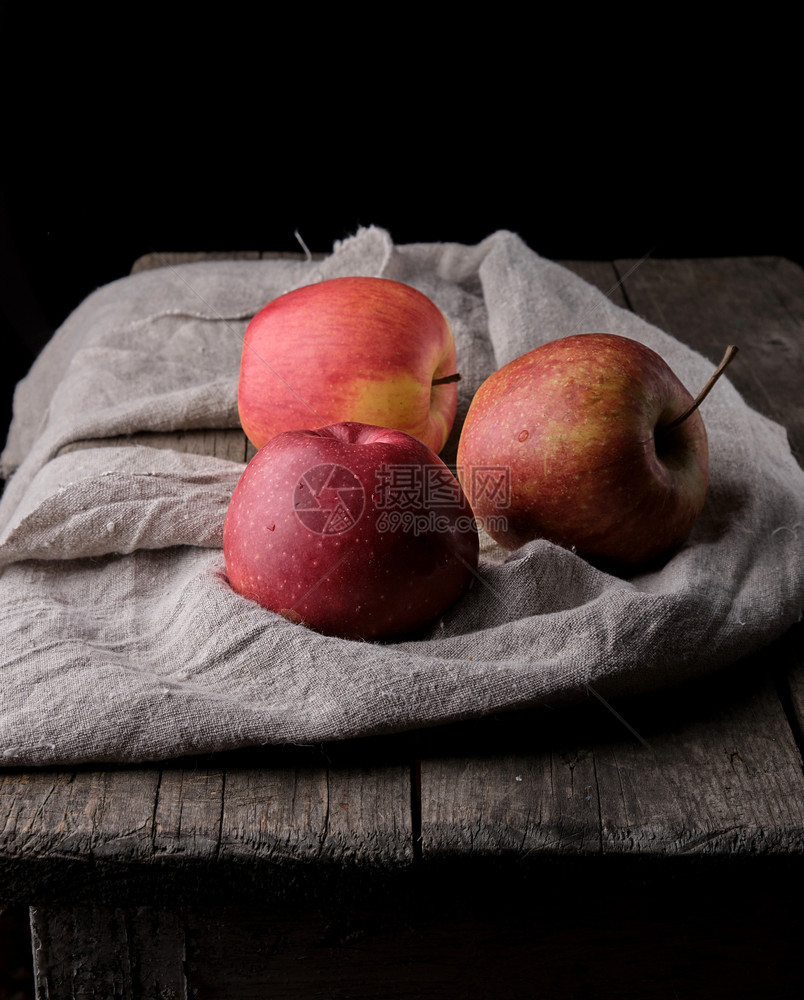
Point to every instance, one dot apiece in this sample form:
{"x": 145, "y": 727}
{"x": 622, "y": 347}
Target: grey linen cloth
{"x": 121, "y": 639}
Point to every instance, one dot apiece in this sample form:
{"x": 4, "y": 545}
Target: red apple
{"x": 566, "y": 443}
{"x": 355, "y": 530}
{"x": 348, "y": 349}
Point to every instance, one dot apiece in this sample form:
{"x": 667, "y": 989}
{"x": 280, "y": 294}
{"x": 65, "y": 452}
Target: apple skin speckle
{"x": 331, "y": 559}
{"x": 591, "y": 474}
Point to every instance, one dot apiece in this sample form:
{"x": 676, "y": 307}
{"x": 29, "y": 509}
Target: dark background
{"x": 65, "y": 233}
{"x": 126, "y": 136}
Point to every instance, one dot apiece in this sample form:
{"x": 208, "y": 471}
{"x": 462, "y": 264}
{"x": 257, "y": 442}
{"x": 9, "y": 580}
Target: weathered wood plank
{"x": 509, "y": 802}
{"x": 711, "y": 769}
{"x": 134, "y": 833}
{"x": 754, "y": 302}
{"x": 157, "y": 951}
{"x": 149, "y": 261}
{"x": 330, "y": 808}
{"x": 285, "y": 808}
{"x": 100, "y": 952}
{"x": 83, "y": 814}
{"x": 167, "y": 258}
{"x": 228, "y": 444}
{"x": 66, "y": 834}
{"x": 790, "y": 672}
{"x": 187, "y": 813}
{"x": 725, "y": 782}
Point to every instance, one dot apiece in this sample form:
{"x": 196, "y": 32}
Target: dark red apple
{"x": 355, "y": 530}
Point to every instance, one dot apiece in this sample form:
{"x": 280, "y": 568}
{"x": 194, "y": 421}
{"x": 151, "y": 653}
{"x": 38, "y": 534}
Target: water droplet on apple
{"x": 523, "y": 436}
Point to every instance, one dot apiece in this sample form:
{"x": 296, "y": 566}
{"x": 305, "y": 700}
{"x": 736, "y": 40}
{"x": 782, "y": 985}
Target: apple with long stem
{"x": 590, "y": 442}
{"x": 362, "y": 349}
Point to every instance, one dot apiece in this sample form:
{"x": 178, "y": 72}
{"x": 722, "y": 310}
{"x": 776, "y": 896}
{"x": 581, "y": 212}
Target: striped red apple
{"x": 363, "y": 349}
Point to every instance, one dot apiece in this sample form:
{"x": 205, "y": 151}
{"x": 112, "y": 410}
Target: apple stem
{"x": 446, "y": 379}
{"x": 731, "y": 350}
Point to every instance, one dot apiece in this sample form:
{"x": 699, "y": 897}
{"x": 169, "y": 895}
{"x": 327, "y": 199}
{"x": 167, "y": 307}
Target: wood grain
{"x": 690, "y": 772}
{"x": 99, "y": 952}
{"x": 754, "y": 302}
{"x": 204, "y": 828}
{"x": 324, "y": 813}
{"x": 150, "y": 261}
{"x": 230, "y": 444}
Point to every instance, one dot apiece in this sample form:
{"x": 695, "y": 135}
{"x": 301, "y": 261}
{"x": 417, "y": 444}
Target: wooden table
{"x": 644, "y": 849}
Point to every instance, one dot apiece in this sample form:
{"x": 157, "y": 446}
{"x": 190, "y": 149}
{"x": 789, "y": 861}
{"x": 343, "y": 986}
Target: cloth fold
{"x": 121, "y": 639}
